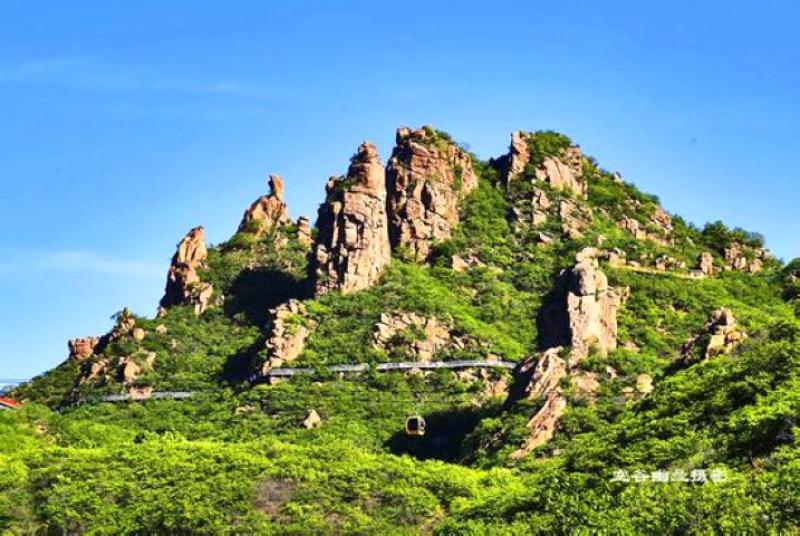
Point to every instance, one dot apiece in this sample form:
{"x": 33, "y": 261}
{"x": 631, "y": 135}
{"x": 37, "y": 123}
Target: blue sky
{"x": 123, "y": 124}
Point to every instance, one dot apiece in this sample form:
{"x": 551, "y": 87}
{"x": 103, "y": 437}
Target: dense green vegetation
{"x": 236, "y": 459}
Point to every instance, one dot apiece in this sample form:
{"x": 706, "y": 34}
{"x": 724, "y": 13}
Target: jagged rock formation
{"x": 268, "y": 212}
{"x": 744, "y": 259}
{"x": 519, "y": 155}
{"x": 541, "y": 379}
{"x": 564, "y": 176}
{"x": 304, "y": 231}
{"x": 658, "y": 228}
{"x": 427, "y": 335}
{"x": 562, "y": 172}
{"x": 290, "y": 329}
{"x": 184, "y": 286}
{"x": 706, "y": 264}
{"x": 352, "y": 245}
{"x": 82, "y": 348}
{"x": 427, "y": 176}
{"x": 720, "y": 335}
{"x": 583, "y": 314}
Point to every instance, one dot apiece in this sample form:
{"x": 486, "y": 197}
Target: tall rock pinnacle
{"x": 426, "y": 178}
{"x": 184, "y": 286}
{"x": 352, "y": 244}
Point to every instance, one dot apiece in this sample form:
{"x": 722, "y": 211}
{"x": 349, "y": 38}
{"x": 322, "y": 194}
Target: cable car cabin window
{"x": 415, "y": 426}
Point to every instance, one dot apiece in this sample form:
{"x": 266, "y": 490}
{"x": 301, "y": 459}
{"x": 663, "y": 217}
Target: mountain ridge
{"x": 641, "y": 342}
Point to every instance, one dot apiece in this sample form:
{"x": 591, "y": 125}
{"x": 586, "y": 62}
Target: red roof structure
{"x": 7, "y": 403}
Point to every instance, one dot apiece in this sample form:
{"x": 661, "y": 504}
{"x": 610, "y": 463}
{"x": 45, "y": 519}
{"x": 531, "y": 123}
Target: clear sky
{"x": 125, "y": 123}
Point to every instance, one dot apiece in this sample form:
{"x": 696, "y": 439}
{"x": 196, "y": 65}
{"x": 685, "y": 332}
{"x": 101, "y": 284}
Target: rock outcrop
{"x": 287, "y": 339}
{"x": 720, "y": 335}
{"x": 562, "y": 172}
{"x": 83, "y": 348}
{"x": 304, "y": 231}
{"x": 563, "y": 176}
{"x": 706, "y": 264}
{"x": 268, "y": 212}
{"x": 184, "y": 286}
{"x": 427, "y": 177}
{"x": 658, "y": 227}
{"x": 583, "y": 313}
{"x": 352, "y": 245}
{"x": 541, "y": 379}
{"x": 417, "y": 336}
{"x": 744, "y": 259}
{"x": 519, "y": 155}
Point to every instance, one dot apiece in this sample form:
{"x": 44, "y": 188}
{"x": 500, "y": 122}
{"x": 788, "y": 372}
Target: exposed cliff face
{"x": 352, "y": 244}
{"x": 427, "y": 177}
{"x": 304, "y": 231}
{"x": 267, "y": 212}
{"x": 184, "y": 286}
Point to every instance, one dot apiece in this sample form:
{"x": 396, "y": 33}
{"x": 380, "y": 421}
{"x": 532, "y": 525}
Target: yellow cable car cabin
{"x": 415, "y": 426}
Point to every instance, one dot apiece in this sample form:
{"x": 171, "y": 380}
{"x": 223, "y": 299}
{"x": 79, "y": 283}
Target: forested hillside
{"x": 614, "y": 368}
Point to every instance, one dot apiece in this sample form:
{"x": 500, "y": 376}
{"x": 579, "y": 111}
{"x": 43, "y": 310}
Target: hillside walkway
{"x": 385, "y": 367}
{"x": 289, "y": 372}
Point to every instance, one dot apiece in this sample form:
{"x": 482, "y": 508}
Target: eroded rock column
{"x": 352, "y": 244}
{"x": 427, "y": 176}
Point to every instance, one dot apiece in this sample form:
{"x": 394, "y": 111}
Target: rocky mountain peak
{"x": 427, "y": 176}
{"x": 184, "y": 286}
{"x": 352, "y": 243}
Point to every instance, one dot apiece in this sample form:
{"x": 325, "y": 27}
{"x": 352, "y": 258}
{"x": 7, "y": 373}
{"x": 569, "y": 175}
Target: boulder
{"x": 312, "y": 420}
{"x": 129, "y": 370}
{"x": 352, "y": 244}
{"x": 462, "y": 264}
{"x": 585, "y": 385}
{"x": 644, "y": 384}
{"x": 184, "y": 286}
{"x": 268, "y": 212}
{"x": 427, "y": 176}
